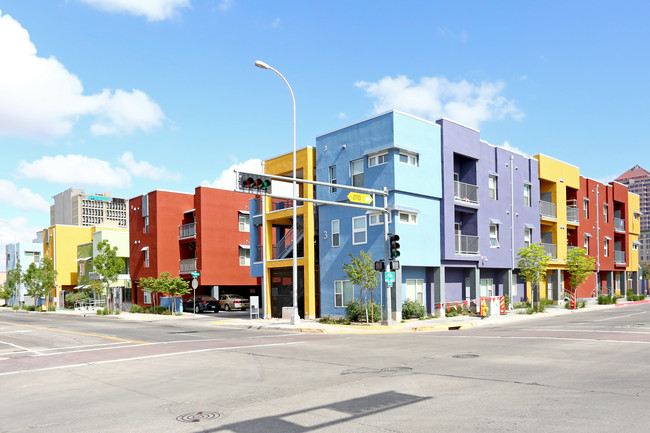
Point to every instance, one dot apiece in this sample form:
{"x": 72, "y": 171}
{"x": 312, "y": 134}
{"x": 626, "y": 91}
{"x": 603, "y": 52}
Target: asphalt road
{"x": 586, "y": 371}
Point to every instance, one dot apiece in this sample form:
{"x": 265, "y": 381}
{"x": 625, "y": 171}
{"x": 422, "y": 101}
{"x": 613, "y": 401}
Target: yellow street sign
{"x": 357, "y": 197}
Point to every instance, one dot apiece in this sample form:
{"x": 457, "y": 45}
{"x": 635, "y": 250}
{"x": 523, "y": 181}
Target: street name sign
{"x": 357, "y": 197}
{"x": 195, "y": 274}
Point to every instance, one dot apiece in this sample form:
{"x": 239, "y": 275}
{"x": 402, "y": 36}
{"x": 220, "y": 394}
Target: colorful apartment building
{"x": 60, "y": 244}
{"x": 490, "y": 210}
{"x": 181, "y": 233}
{"x": 272, "y": 239}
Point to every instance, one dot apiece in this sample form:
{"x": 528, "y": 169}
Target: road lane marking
{"x": 591, "y": 340}
{"x": 138, "y": 358}
{"x": 618, "y": 317}
{"x": 21, "y": 347}
{"x": 14, "y": 332}
{"x": 88, "y": 334}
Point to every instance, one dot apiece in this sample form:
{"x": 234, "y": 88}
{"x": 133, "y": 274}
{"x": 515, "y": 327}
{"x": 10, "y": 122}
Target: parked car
{"x": 233, "y": 302}
{"x": 203, "y": 303}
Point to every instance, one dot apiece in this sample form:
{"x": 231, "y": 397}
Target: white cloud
{"x": 21, "y": 198}
{"x": 76, "y": 169}
{"x": 435, "y": 97}
{"x": 153, "y": 10}
{"x": 225, "y": 5}
{"x": 506, "y": 145}
{"x": 227, "y": 179}
{"x": 40, "y": 99}
{"x": 146, "y": 170}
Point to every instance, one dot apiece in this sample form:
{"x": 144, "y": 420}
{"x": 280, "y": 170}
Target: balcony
{"x": 188, "y": 265}
{"x": 187, "y": 231}
{"x": 548, "y": 209}
{"x": 619, "y": 224}
{"x": 551, "y": 250}
{"x": 465, "y": 192}
{"x": 572, "y": 215}
{"x": 619, "y": 257}
{"x": 467, "y": 245}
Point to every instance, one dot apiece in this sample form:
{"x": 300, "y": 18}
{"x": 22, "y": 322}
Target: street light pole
{"x": 295, "y": 317}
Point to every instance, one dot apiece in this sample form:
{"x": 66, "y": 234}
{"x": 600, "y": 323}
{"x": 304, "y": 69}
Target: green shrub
{"x": 451, "y": 313}
{"x": 334, "y": 320}
{"x": 536, "y": 308}
{"x": 148, "y": 310}
{"x": 354, "y": 314}
{"x": 72, "y": 297}
{"x": 135, "y": 308}
{"x": 161, "y": 310}
{"x": 51, "y": 308}
{"x": 582, "y": 304}
{"x": 106, "y": 312}
{"x": 522, "y": 304}
{"x": 100, "y": 312}
{"x": 412, "y": 309}
{"x": 15, "y": 307}
{"x": 29, "y": 307}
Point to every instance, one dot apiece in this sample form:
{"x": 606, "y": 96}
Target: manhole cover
{"x": 198, "y": 416}
{"x": 395, "y": 369}
{"x": 465, "y": 355}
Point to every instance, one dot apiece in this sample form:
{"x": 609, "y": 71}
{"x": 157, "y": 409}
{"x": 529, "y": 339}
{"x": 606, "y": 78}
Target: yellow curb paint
{"x": 225, "y": 321}
{"x": 108, "y": 337}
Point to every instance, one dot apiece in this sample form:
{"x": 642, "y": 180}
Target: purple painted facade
{"x": 490, "y": 195}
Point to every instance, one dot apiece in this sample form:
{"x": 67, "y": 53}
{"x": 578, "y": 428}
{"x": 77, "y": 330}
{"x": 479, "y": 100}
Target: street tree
{"x": 40, "y": 280}
{"x": 645, "y": 272}
{"x": 579, "y": 267}
{"x": 173, "y": 287}
{"x": 12, "y": 284}
{"x": 361, "y": 272}
{"x": 108, "y": 266}
{"x": 532, "y": 264}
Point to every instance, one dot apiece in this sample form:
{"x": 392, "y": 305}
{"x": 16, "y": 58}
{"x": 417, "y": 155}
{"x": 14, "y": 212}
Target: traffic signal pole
{"x": 259, "y": 187}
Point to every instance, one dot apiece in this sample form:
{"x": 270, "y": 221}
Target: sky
{"x": 126, "y": 97}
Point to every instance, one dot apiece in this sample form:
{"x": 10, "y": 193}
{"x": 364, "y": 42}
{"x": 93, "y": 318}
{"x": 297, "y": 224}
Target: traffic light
{"x": 379, "y": 266}
{"x": 393, "y": 246}
{"x": 254, "y": 183}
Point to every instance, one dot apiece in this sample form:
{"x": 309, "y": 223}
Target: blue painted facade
{"x": 27, "y": 253}
{"x": 403, "y": 154}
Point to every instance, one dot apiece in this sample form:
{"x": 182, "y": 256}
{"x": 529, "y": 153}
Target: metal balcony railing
{"x": 619, "y": 257}
{"x": 187, "y": 231}
{"x": 187, "y": 265}
{"x": 551, "y": 250}
{"x": 548, "y": 209}
{"x": 572, "y": 214}
{"x": 619, "y": 224}
{"x": 465, "y": 192}
{"x": 467, "y": 245}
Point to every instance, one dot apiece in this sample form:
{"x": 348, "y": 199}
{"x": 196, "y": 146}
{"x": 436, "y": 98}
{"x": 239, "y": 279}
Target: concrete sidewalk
{"x": 412, "y": 325}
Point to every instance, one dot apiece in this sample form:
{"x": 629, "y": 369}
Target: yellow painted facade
{"x": 559, "y": 183}
{"x": 60, "y": 245}
{"x": 634, "y": 230}
{"x": 305, "y": 169}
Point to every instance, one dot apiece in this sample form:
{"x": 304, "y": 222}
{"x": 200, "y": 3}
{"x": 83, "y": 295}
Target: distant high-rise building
{"x": 74, "y": 207}
{"x": 638, "y": 181}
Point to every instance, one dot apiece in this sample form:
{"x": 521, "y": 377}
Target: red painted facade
{"x": 186, "y": 229}
{"x": 598, "y": 226}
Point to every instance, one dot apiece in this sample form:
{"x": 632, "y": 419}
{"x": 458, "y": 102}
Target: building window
{"x": 528, "y": 237}
{"x": 377, "y": 218}
{"x": 415, "y": 290}
{"x": 586, "y": 244}
{"x": 146, "y": 224}
{"x": 359, "y": 230}
{"x": 408, "y": 158}
{"x": 527, "y": 195}
{"x": 146, "y": 257}
{"x": 494, "y": 236}
{"x": 343, "y": 293}
{"x": 513, "y": 289}
{"x": 492, "y": 186}
{"x": 356, "y": 172}
{"x": 606, "y": 248}
{"x": 487, "y": 287}
{"x": 336, "y": 233}
{"x": 147, "y": 297}
{"x": 333, "y": 177}
{"x": 408, "y": 218}
{"x": 244, "y": 222}
{"x": 605, "y": 211}
{"x": 585, "y": 208}
{"x": 378, "y": 159}
{"x": 244, "y": 256}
